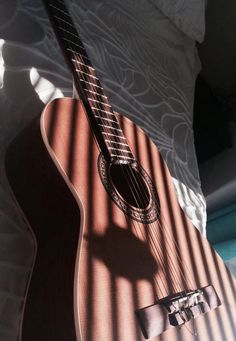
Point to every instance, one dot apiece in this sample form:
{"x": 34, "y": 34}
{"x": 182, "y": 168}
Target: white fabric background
{"x": 148, "y": 68}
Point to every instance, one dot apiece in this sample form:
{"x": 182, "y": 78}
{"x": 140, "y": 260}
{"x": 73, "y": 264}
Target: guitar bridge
{"x": 175, "y": 310}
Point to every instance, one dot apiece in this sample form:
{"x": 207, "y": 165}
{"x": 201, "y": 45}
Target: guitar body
{"x": 96, "y": 263}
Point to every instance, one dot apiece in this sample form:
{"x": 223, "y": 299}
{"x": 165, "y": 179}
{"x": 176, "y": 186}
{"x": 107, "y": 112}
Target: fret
{"x": 88, "y": 66}
{"x": 110, "y": 127}
{"x": 90, "y": 73}
{"x": 66, "y": 25}
{"x": 123, "y": 157}
{"x": 94, "y": 100}
{"x": 107, "y": 122}
{"x": 65, "y": 22}
{"x": 106, "y": 119}
{"x": 98, "y": 88}
{"x": 120, "y": 150}
{"x": 59, "y": 3}
{"x": 105, "y": 111}
{"x": 93, "y": 84}
{"x": 77, "y": 53}
{"x": 123, "y": 144}
{"x": 87, "y": 74}
{"x": 70, "y": 33}
{"x": 60, "y": 10}
{"x": 95, "y": 93}
{"x": 110, "y": 134}
{"x": 71, "y": 42}
{"x": 95, "y": 90}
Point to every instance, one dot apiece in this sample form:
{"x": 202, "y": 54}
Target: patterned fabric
{"x": 187, "y": 15}
{"x": 148, "y": 68}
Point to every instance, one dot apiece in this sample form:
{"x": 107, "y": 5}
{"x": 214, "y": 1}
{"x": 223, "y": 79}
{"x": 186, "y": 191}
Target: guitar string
{"x": 141, "y": 194}
{"x": 167, "y": 230}
{"x": 182, "y": 294}
{"x": 99, "y": 112}
{"x": 97, "y": 98}
{"x": 106, "y": 131}
{"x": 91, "y": 87}
{"x": 84, "y": 77}
{"x": 108, "y": 124}
{"x": 152, "y": 242}
{"x": 128, "y": 221}
{"x": 141, "y": 229}
{"x": 168, "y": 242}
{"x": 154, "y": 237}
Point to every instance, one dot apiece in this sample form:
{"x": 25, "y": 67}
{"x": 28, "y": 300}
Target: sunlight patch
{"x": 44, "y": 88}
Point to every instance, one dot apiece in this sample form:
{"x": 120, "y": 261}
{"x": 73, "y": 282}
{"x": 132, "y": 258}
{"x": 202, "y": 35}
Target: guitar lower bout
{"x": 104, "y": 251}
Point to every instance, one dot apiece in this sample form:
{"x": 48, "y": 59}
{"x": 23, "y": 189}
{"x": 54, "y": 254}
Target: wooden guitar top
{"x": 123, "y": 264}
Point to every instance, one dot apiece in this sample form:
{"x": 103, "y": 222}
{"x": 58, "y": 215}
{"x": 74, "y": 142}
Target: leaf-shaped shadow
{"x": 123, "y": 253}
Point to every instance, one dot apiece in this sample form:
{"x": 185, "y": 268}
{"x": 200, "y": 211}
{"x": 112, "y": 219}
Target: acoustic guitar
{"x": 117, "y": 259}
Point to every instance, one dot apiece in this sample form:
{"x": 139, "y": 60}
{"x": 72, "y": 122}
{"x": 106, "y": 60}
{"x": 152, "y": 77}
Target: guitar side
{"x": 54, "y": 218}
{"x": 95, "y": 266}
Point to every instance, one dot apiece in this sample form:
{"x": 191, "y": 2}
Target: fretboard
{"x": 103, "y": 120}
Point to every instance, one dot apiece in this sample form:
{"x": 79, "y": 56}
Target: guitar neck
{"x": 102, "y": 118}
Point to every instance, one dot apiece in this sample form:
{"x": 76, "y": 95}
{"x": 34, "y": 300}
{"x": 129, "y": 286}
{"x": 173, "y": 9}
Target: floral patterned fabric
{"x": 148, "y": 68}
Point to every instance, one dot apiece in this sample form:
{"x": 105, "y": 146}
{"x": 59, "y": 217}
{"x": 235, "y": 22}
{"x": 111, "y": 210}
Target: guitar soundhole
{"x": 130, "y": 185}
{"x": 131, "y": 189}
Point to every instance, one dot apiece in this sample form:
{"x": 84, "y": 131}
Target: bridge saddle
{"x": 175, "y": 310}
{"x": 184, "y": 306}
